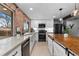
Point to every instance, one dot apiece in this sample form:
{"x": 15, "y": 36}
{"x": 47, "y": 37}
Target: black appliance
{"x": 58, "y": 28}
{"x": 25, "y": 47}
{"x": 41, "y": 26}
{"x": 42, "y": 35}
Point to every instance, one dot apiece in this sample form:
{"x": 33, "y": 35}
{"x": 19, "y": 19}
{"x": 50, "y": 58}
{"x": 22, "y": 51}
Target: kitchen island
{"x": 70, "y": 43}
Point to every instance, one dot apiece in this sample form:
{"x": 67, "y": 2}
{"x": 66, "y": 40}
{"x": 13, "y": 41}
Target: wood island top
{"x": 70, "y": 42}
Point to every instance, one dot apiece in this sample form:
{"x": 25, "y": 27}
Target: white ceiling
{"x": 47, "y": 10}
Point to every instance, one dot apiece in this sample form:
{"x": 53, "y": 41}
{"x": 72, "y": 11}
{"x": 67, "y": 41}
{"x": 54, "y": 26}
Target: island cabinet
{"x": 56, "y": 49}
{"x": 65, "y": 46}
{"x": 59, "y": 50}
{"x": 15, "y": 52}
{"x": 50, "y": 46}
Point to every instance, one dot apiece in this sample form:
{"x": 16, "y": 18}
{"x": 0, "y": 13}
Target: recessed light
{"x": 54, "y": 16}
{"x": 31, "y": 9}
{"x": 60, "y": 9}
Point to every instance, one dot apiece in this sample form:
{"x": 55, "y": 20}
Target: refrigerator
{"x": 58, "y": 28}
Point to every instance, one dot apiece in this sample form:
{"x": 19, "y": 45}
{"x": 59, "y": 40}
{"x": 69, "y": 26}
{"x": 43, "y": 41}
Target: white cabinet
{"x": 50, "y": 45}
{"x": 58, "y": 50}
{"x": 36, "y": 36}
{"x": 32, "y": 41}
{"x": 15, "y": 52}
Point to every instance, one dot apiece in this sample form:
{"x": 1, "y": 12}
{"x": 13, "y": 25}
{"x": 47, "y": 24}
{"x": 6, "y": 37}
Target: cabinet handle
{"x": 25, "y": 44}
{"x": 66, "y": 51}
{"x": 15, "y": 53}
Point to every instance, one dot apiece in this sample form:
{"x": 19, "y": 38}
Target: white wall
{"x": 48, "y": 22}
{"x": 75, "y": 29}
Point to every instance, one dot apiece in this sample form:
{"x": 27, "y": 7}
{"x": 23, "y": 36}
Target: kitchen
{"x": 39, "y": 29}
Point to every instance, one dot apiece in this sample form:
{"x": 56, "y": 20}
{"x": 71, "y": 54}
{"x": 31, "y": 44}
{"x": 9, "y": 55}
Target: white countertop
{"x": 8, "y": 44}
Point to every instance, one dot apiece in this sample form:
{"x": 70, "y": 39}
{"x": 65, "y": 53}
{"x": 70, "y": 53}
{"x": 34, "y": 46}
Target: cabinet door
{"x": 58, "y": 50}
{"x": 50, "y": 46}
{"x": 32, "y": 41}
{"x": 36, "y": 36}
{"x": 15, "y": 52}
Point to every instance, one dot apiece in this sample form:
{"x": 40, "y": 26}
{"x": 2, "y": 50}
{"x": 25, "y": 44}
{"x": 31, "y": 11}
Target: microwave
{"x": 41, "y": 26}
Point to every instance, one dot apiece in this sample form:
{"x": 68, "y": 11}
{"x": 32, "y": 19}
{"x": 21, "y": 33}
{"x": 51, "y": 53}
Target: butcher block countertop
{"x": 70, "y": 42}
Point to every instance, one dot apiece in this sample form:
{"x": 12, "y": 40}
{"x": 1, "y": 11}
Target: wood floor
{"x": 40, "y": 49}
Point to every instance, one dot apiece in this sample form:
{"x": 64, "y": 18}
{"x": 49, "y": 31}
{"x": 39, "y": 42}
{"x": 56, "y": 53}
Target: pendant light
{"x": 75, "y": 12}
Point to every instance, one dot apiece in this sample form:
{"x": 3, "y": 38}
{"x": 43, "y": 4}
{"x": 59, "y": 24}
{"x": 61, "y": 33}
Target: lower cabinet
{"x": 15, "y": 52}
{"x": 32, "y": 41}
{"x": 50, "y": 46}
{"x": 55, "y": 49}
{"x": 58, "y": 50}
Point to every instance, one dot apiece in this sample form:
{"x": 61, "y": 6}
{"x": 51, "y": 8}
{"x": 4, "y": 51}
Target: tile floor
{"x": 40, "y": 49}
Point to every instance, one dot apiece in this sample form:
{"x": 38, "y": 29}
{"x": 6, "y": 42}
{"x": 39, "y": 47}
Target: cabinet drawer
{"x": 16, "y": 52}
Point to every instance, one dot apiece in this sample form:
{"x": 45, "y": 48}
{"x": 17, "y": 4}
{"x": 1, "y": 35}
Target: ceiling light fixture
{"x": 60, "y": 19}
{"x": 31, "y": 9}
{"x": 75, "y": 12}
{"x": 54, "y": 16}
{"x": 4, "y": 9}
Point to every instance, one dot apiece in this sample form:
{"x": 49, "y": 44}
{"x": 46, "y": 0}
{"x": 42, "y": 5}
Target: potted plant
{"x": 66, "y": 32}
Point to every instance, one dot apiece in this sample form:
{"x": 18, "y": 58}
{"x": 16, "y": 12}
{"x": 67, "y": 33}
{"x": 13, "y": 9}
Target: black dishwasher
{"x": 25, "y": 47}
